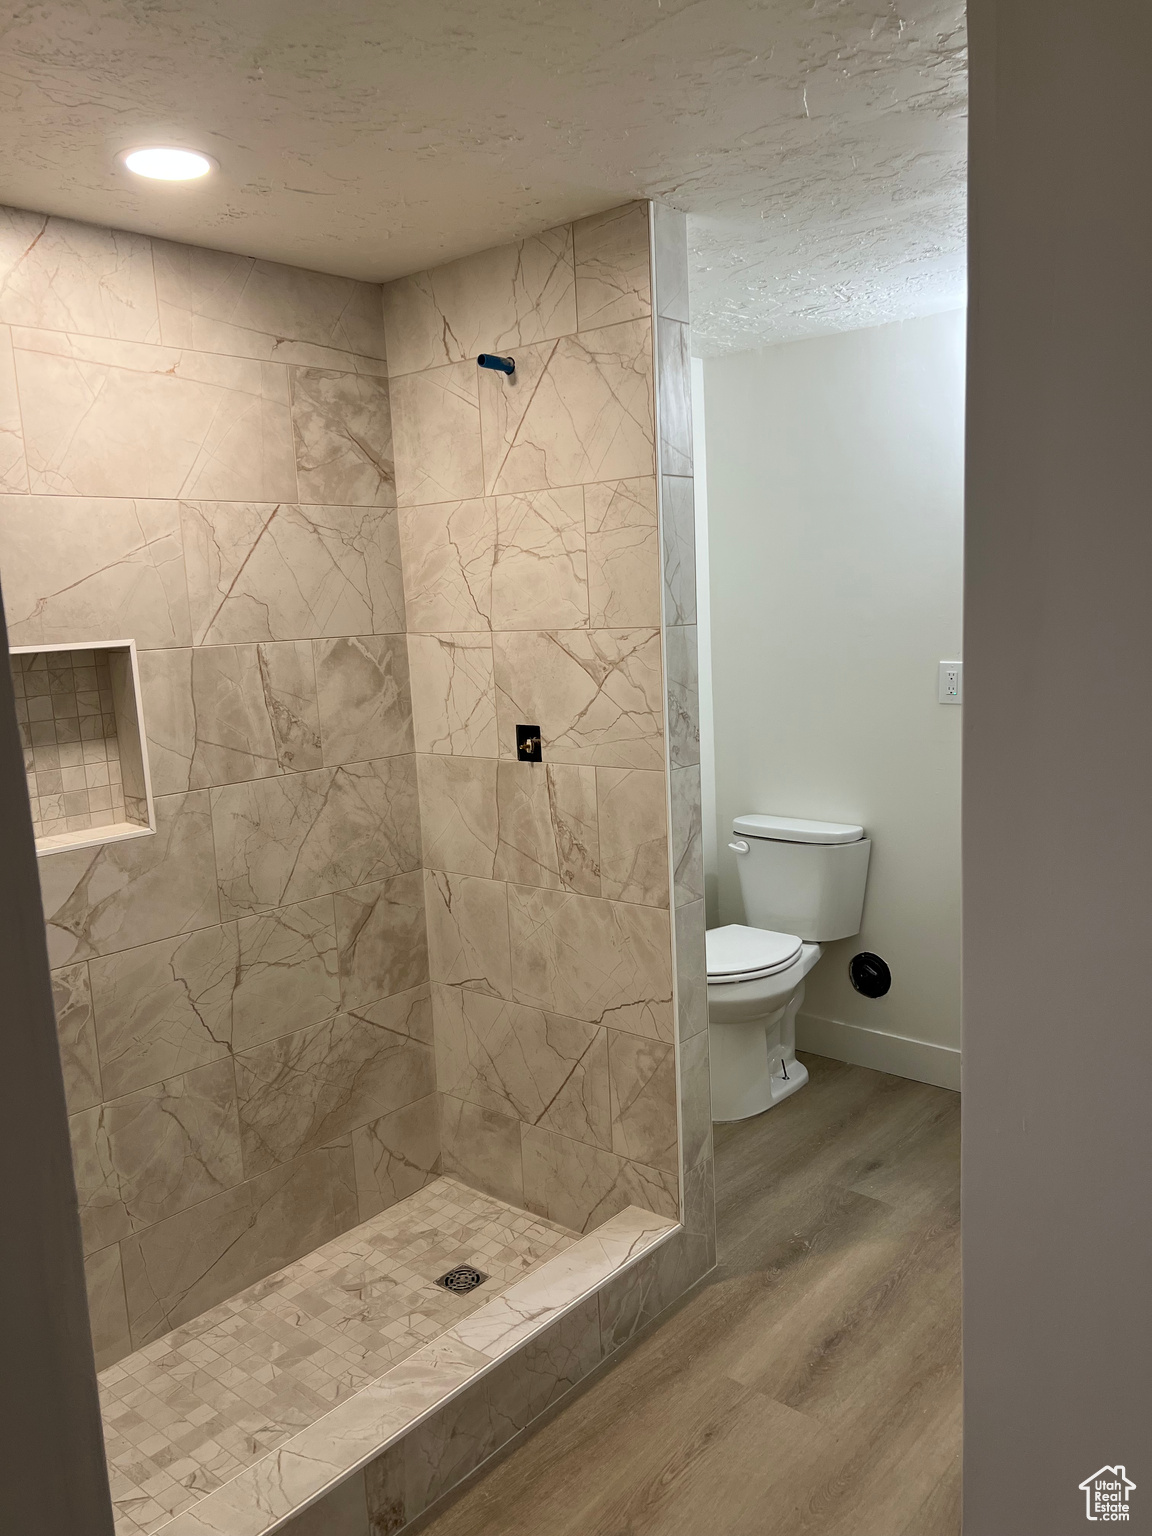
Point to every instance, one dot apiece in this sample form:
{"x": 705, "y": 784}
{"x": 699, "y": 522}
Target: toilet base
{"x": 753, "y": 1063}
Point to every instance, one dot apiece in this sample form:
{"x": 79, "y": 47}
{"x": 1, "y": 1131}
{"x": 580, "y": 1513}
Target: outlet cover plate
{"x": 950, "y": 682}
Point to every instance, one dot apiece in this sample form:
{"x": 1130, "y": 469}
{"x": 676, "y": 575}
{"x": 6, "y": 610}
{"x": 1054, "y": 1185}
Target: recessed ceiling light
{"x": 163, "y": 163}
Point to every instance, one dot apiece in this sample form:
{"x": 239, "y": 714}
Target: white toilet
{"x": 803, "y": 884}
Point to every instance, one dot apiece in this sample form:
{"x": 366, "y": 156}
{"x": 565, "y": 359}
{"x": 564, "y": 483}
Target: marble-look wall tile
{"x": 436, "y": 435}
{"x": 683, "y": 695}
{"x": 13, "y": 467}
{"x": 549, "y": 1366}
{"x": 301, "y": 1091}
{"x": 195, "y": 332}
{"x": 481, "y": 1148}
{"x": 76, "y": 1033}
{"x": 488, "y": 302}
{"x": 458, "y": 1438}
{"x": 695, "y": 1101}
{"x": 181, "y": 1267}
{"x": 581, "y": 1186}
{"x": 382, "y": 938}
{"x": 596, "y": 695}
{"x": 613, "y": 280}
{"x": 258, "y": 708}
{"x": 308, "y": 834}
{"x": 674, "y": 397}
{"x": 642, "y": 1074}
{"x": 607, "y": 962}
{"x": 540, "y": 572}
{"x": 698, "y": 1209}
{"x": 63, "y": 276}
{"x": 396, "y": 1155}
{"x": 76, "y": 568}
{"x": 687, "y": 1261}
{"x": 218, "y": 302}
{"x": 288, "y": 974}
{"x": 343, "y": 1511}
{"x": 691, "y": 970}
{"x": 526, "y": 1312}
{"x": 365, "y": 699}
{"x": 384, "y": 1479}
{"x": 576, "y": 410}
{"x": 521, "y": 1062}
{"x": 635, "y": 1298}
{"x": 406, "y": 1013}
{"x": 461, "y": 1436}
{"x": 453, "y": 694}
{"x": 288, "y": 684}
{"x": 459, "y": 818}
{"x": 342, "y": 426}
{"x": 449, "y": 550}
{"x": 623, "y": 554}
{"x": 286, "y": 572}
{"x": 165, "y": 1008}
{"x": 107, "y": 1309}
{"x": 216, "y": 426}
{"x": 547, "y": 827}
{"x": 670, "y": 242}
{"x": 679, "y": 519}
{"x": 223, "y": 714}
{"x": 225, "y": 584}
{"x": 687, "y": 835}
{"x": 468, "y": 932}
{"x": 565, "y": 1281}
{"x": 632, "y": 806}
{"x": 169, "y": 717}
{"x": 146, "y": 1156}
{"x": 108, "y": 898}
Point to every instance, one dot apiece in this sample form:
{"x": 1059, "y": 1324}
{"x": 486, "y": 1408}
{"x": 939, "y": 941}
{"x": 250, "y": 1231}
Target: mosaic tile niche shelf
{"x": 85, "y": 755}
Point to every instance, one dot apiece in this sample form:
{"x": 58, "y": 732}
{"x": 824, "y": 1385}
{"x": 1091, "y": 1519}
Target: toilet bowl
{"x": 752, "y": 1006}
{"x": 802, "y": 883}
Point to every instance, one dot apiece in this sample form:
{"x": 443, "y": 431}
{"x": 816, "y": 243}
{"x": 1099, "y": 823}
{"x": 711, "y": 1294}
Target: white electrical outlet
{"x": 951, "y": 682}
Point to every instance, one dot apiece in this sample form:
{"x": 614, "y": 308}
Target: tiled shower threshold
{"x": 235, "y": 1422}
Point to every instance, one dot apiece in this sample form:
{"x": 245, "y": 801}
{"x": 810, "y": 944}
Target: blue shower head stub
{"x": 501, "y": 364}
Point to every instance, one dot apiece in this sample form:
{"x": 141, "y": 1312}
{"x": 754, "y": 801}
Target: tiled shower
{"x": 361, "y": 993}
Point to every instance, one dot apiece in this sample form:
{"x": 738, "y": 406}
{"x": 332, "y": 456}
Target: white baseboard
{"x": 917, "y": 1059}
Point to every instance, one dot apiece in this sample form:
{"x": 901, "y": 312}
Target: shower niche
{"x": 85, "y": 753}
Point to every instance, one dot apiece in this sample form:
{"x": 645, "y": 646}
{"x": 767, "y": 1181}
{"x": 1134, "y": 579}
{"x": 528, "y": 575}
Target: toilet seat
{"x": 735, "y": 953}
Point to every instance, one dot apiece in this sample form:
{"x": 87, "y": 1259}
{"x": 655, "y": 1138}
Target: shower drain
{"x": 461, "y": 1279}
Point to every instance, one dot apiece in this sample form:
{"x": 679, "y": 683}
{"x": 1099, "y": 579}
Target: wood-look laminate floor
{"x": 811, "y": 1387}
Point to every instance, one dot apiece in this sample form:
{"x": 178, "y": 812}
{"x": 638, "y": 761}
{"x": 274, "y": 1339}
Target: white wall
{"x": 835, "y": 506}
{"x": 1056, "y": 1130}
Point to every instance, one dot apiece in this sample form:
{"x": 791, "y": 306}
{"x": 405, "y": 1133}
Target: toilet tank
{"x": 802, "y": 877}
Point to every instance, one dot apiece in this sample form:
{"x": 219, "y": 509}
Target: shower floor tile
{"x": 188, "y": 1412}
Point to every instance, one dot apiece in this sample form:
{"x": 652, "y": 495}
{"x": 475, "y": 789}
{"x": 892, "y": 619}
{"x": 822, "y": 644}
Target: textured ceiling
{"x": 818, "y": 144}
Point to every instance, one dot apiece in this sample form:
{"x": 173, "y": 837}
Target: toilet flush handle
{"x": 740, "y": 846}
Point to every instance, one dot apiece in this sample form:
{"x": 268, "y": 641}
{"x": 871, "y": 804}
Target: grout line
{"x": 202, "y": 351}
{"x": 356, "y": 506}
{"x": 537, "y": 341}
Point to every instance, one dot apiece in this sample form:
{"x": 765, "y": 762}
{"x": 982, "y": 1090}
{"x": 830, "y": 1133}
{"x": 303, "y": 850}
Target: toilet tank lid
{"x": 792, "y": 829}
